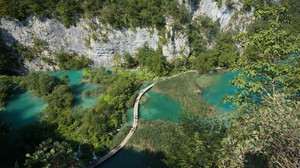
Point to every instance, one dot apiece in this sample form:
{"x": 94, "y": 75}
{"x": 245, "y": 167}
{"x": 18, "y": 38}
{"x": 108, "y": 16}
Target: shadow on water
{"x": 26, "y": 139}
{"x": 131, "y": 158}
{"x": 22, "y": 108}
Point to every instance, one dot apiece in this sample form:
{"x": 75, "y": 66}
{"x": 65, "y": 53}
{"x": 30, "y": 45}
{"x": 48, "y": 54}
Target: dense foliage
{"x": 263, "y": 131}
{"x": 52, "y": 154}
{"x": 55, "y": 92}
{"x": 7, "y": 61}
{"x": 268, "y": 138}
{"x": 4, "y": 58}
{"x": 68, "y": 61}
{"x": 6, "y": 89}
{"x": 154, "y": 60}
{"x": 268, "y": 64}
{"x": 223, "y": 54}
{"x": 120, "y": 14}
{"x": 196, "y": 143}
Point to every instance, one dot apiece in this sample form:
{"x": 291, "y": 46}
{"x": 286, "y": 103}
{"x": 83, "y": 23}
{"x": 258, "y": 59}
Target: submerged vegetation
{"x": 185, "y": 89}
{"x": 263, "y": 130}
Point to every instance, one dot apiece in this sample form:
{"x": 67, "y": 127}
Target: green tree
{"x": 117, "y": 59}
{"x": 157, "y": 63}
{"x": 267, "y": 62}
{"x": 196, "y": 143}
{"x": 72, "y": 60}
{"x": 52, "y": 154}
{"x": 4, "y": 57}
{"x": 143, "y": 53}
{"x": 264, "y": 128}
{"x": 129, "y": 61}
{"x": 267, "y": 137}
{"x": 61, "y": 97}
{"x": 6, "y": 88}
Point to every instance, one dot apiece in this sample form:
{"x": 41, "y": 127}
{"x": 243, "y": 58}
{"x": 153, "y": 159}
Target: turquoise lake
{"x": 157, "y": 107}
{"x": 163, "y": 107}
{"x": 214, "y": 93}
{"x": 22, "y": 107}
{"x": 78, "y": 87}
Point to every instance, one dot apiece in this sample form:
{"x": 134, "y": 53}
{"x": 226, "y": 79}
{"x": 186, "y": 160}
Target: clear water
{"x": 157, "y": 107}
{"x": 22, "y": 106}
{"x": 78, "y": 87}
{"x": 21, "y": 109}
{"x": 163, "y": 107}
{"x": 214, "y": 93}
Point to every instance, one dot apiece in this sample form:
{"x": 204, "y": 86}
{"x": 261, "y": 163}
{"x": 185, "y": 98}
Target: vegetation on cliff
{"x": 263, "y": 130}
{"x": 119, "y": 14}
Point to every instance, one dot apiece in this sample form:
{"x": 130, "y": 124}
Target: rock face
{"x": 60, "y": 38}
{"x": 228, "y": 17}
{"x": 100, "y": 43}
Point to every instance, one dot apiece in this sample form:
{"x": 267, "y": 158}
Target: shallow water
{"x": 157, "y": 107}
{"x": 78, "y": 87}
{"x": 214, "y": 93}
{"x": 22, "y": 106}
{"x": 163, "y": 107}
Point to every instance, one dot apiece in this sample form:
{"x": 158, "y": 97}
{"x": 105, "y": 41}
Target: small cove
{"x": 214, "y": 93}
{"x": 22, "y": 107}
{"x": 77, "y": 87}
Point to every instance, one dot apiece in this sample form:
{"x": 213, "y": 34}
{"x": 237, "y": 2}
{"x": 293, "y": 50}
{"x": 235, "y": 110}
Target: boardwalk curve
{"x": 133, "y": 128}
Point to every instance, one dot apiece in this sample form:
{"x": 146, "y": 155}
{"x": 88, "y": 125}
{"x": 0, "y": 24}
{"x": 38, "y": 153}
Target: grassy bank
{"x": 150, "y": 135}
{"x": 186, "y": 88}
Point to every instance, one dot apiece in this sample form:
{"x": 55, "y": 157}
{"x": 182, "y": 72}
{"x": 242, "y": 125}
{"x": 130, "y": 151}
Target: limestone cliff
{"x": 101, "y": 42}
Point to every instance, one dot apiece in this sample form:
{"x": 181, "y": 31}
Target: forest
{"x": 262, "y": 131}
{"x": 119, "y": 14}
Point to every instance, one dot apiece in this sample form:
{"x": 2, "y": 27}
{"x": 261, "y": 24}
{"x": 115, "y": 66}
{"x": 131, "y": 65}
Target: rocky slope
{"x": 101, "y": 42}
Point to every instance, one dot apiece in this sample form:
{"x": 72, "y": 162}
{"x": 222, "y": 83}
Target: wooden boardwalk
{"x": 133, "y": 128}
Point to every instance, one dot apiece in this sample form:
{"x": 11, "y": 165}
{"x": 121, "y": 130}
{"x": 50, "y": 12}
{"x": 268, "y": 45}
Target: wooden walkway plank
{"x": 133, "y": 128}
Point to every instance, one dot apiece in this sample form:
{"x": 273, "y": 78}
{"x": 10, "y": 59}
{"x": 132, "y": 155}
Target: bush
{"x": 6, "y": 88}
{"x": 68, "y": 61}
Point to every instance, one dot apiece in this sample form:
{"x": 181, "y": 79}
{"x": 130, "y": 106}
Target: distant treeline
{"x": 115, "y": 12}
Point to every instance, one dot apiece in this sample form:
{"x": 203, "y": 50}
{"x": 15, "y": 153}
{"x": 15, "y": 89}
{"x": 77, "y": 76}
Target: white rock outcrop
{"x": 101, "y": 42}
{"x": 229, "y": 18}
